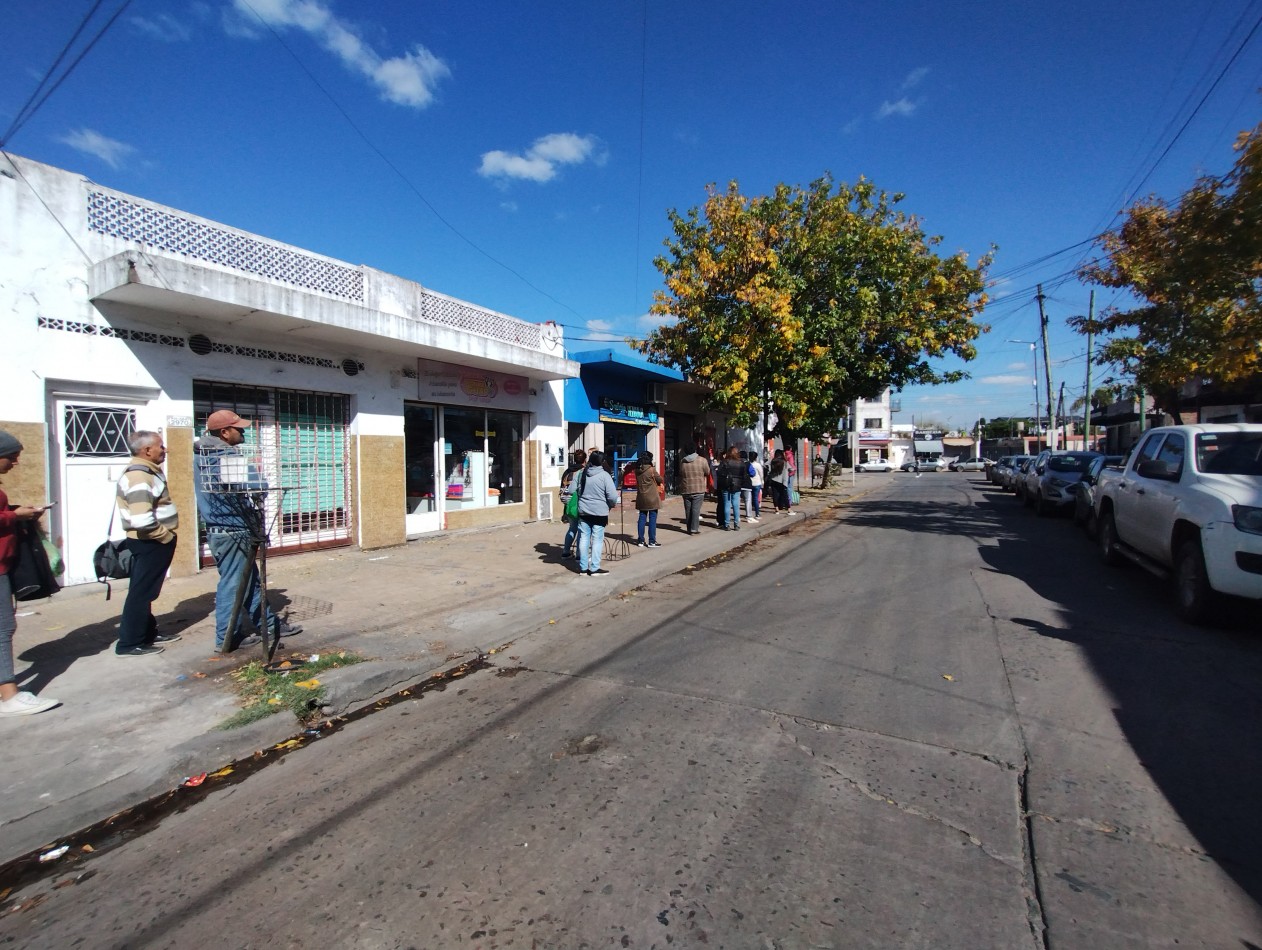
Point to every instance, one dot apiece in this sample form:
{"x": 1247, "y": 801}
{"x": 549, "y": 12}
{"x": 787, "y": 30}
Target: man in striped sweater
{"x": 149, "y": 517}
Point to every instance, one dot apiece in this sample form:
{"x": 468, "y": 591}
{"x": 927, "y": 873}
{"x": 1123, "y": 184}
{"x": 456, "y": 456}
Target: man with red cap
{"x": 234, "y": 522}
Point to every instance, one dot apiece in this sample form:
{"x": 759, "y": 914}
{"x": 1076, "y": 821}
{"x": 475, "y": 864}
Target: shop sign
{"x": 465, "y": 386}
{"x": 629, "y": 413}
{"x": 874, "y": 433}
{"x": 929, "y": 435}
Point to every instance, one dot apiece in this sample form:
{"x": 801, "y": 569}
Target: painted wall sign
{"x": 466, "y": 386}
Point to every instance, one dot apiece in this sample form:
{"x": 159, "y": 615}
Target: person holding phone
{"x": 13, "y": 702}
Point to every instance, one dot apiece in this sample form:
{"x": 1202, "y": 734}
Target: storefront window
{"x": 482, "y": 458}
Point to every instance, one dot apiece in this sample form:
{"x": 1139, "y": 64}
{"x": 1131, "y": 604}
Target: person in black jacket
{"x": 731, "y": 477}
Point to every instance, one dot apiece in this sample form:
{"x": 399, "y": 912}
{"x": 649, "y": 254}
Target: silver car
{"x": 1052, "y": 482}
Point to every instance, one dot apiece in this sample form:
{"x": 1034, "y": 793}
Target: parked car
{"x": 1188, "y": 504}
{"x": 929, "y": 464}
{"x": 875, "y": 465}
{"x": 1016, "y": 481}
{"x": 1013, "y": 469}
{"x": 975, "y": 464}
{"x": 1053, "y": 482}
{"x": 1084, "y": 498}
{"x": 998, "y": 470}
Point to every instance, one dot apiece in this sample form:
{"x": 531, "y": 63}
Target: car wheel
{"x": 1107, "y": 538}
{"x": 1193, "y": 597}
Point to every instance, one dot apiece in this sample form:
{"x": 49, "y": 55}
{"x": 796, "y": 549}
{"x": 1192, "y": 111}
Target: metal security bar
{"x": 300, "y": 439}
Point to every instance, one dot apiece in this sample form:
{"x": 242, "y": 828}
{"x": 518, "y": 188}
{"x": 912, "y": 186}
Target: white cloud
{"x": 903, "y": 107}
{"x": 851, "y": 127}
{"x": 540, "y": 161}
{"x": 162, "y": 27}
{"x": 651, "y": 321}
{"x": 1005, "y": 380}
{"x": 1015, "y": 366}
{"x": 108, "y": 150}
{"x": 509, "y": 206}
{"x": 407, "y": 80}
{"x": 601, "y": 330}
{"x": 915, "y": 77}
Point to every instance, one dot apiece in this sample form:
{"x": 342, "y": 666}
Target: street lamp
{"x": 1038, "y": 416}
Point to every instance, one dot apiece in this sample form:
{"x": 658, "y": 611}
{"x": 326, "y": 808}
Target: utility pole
{"x": 1086, "y": 411}
{"x": 1060, "y": 414}
{"x": 1047, "y": 372}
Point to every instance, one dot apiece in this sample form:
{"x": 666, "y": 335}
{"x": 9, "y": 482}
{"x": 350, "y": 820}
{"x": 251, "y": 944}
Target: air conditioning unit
{"x": 545, "y": 506}
{"x": 656, "y": 394}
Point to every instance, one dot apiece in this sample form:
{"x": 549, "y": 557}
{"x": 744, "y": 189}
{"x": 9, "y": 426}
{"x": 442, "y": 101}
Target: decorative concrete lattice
{"x": 118, "y": 217}
{"x": 231, "y": 349}
{"x": 438, "y": 308}
{"x": 114, "y": 333}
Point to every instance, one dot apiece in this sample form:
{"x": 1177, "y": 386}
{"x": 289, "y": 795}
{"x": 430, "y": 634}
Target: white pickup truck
{"x": 1188, "y": 503}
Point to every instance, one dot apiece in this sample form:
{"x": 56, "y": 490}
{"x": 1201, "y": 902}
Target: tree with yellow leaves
{"x": 1197, "y": 268}
{"x": 803, "y": 300}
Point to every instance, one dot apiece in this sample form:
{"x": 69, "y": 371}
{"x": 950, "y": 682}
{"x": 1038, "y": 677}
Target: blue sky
{"x": 522, "y": 156}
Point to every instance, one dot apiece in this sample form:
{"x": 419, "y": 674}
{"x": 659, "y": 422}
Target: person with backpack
{"x": 13, "y": 702}
{"x": 731, "y": 475}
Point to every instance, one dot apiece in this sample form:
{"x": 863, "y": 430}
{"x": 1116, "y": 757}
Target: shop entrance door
{"x": 420, "y": 459}
{"x": 92, "y": 447}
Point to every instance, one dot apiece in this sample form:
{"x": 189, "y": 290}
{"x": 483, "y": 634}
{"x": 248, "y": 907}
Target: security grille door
{"x": 305, "y": 434}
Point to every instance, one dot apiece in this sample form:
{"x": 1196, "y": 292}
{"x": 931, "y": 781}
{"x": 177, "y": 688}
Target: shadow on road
{"x": 1188, "y": 699}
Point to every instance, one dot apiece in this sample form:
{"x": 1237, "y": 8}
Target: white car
{"x": 875, "y": 465}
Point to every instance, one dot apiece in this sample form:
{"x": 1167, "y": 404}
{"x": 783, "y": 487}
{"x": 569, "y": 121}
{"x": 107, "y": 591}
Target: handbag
{"x": 571, "y": 503}
{"x": 32, "y": 577}
{"x": 112, "y": 560}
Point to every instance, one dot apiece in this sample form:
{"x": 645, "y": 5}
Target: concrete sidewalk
{"x": 133, "y": 727}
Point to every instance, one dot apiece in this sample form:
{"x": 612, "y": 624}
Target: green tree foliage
{"x": 815, "y": 296}
{"x": 1197, "y": 267}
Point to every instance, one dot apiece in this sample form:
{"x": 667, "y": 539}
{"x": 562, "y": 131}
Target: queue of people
{"x": 737, "y": 478}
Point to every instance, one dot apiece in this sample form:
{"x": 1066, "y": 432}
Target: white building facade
{"x": 389, "y": 410}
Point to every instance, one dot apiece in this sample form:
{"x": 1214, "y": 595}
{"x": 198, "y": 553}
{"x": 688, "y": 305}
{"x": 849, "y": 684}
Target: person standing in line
{"x": 567, "y": 487}
{"x": 693, "y": 473}
{"x": 731, "y": 475}
{"x": 778, "y": 482}
{"x": 13, "y": 702}
{"x": 747, "y": 488}
{"x": 598, "y": 497}
{"x": 648, "y": 499}
{"x": 233, "y": 522}
{"x": 756, "y": 483}
{"x": 149, "y": 517}
{"x": 792, "y": 470}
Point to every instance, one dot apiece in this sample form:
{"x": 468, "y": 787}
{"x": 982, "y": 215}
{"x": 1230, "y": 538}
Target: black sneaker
{"x": 142, "y": 650}
{"x": 287, "y": 629}
{"x": 165, "y": 638}
{"x": 654, "y": 544}
{"x": 252, "y": 640}
{"x": 640, "y": 544}
{"x": 598, "y": 573}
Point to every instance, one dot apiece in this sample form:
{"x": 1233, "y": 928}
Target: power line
{"x": 38, "y": 98}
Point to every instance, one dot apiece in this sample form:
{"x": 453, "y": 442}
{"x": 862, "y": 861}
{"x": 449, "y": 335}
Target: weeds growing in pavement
{"x": 293, "y": 687}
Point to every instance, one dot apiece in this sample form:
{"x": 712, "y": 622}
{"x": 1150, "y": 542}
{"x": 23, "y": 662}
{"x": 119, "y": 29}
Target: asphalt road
{"x": 928, "y": 720}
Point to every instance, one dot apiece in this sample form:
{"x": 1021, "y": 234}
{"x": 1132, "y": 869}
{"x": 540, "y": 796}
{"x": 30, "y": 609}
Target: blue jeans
{"x": 232, "y": 551}
{"x": 591, "y": 542}
{"x": 730, "y": 508}
{"x": 149, "y": 563}
{"x": 571, "y": 532}
{"x": 8, "y": 624}
{"x": 649, "y": 517}
{"x": 756, "y": 497}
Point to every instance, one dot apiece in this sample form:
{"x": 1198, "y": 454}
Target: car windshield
{"x": 1069, "y": 463}
{"x": 1229, "y": 453}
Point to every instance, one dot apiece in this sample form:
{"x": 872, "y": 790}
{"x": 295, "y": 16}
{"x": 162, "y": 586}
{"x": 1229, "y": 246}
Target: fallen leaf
{"x": 289, "y": 744}
{"x": 948, "y": 676}
{"x": 274, "y": 701}
{"x": 309, "y": 684}
{"x": 226, "y": 770}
